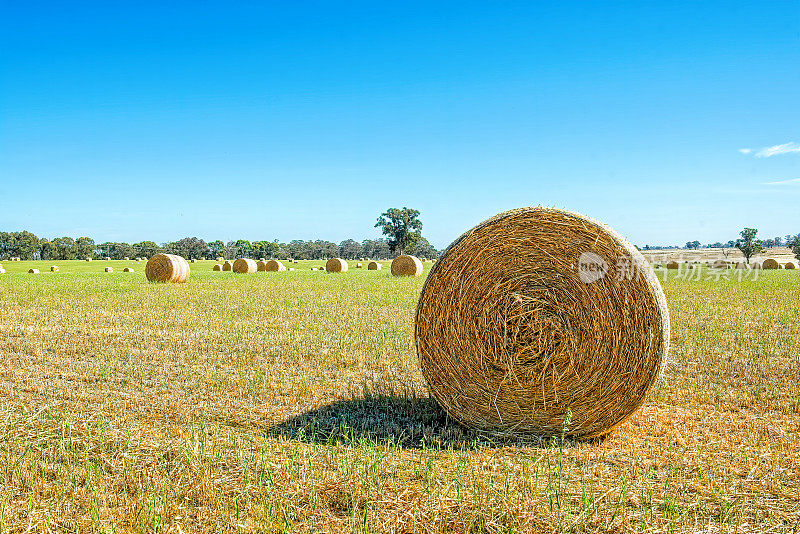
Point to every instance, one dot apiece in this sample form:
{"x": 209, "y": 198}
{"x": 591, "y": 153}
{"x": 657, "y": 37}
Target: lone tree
{"x": 793, "y": 242}
{"x": 693, "y": 244}
{"x": 748, "y": 243}
{"x": 401, "y": 226}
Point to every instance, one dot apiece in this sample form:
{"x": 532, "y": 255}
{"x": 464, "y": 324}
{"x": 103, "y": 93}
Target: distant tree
{"x": 84, "y": 247}
{"x": 266, "y": 249}
{"x": 748, "y": 244}
{"x": 350, "y": 250}
{"x": 376, "y": 248}
{"x": 188, "y": 247}
{"x": 146, "y": 249}
{"x": 768, "y": 243}
{"x": 693, "y": 244}
{"x": 401, "y": 226}
{"x": 216, "y": 249}
{"x": 421, "y": 248}
{"x": 793, "y": 242}
{"x": 64, "y": 248}
{"x": 730, "y": 244}
{"x": 778, "y": 241}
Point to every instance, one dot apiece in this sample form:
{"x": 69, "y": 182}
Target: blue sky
{"x": 305, "y": 120}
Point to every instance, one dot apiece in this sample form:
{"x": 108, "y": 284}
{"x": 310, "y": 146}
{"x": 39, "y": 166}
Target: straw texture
{"x": 274, "y": 266}
{"x": 374, "y": 266}
{"x": 770, "y": 263}
{"x": 167, "y": 268}
{"x": 336, "y": 265}
{"x": 245, "y": 266}
{"x": 227, "y": 266}
{"x": 789, "y": 265}
{"x": 515, "y": 329}
{"x": 406, "y": 265}
{"x": 672, "y": 265}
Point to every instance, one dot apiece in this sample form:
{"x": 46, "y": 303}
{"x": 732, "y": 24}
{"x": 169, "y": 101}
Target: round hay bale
{"x": 127, "y": 270}
{"x": 262, "y": 259}
{"x": 406, "y": 265}
{"x": 88, "y": 259}
{"x": 54, "y": 269}
{"x": 359, "y": 265}
{"x": 672, "y": 264}
{"x": 756, "y": 265}
{"x": 217, "y": 267}
{"x": 126, "y": 258}
{"x": 770, "y": 263}
{"x": 193, "y": 260}
{"x": 107, "y": 258}
{"x": 167, "y": 268}
{"x": 2, "y": 271}
{"x": 291, "y": 268}
{"x": 274, "y": 266}
{"x": 220, "y": 259}
{"x": 741, "y": 265}
{"x": 374, "y": 266}
{"x": 109, "y": 269}
{"x": 227, "y": 266}
{"x": 531, "y": 323}
{"x": 33, "y": 271}
{"x": 719, "y": 264}
{"x": 336, "y": 265}
{"x": 789, "y": 265}
{"x": 244, "y": 266}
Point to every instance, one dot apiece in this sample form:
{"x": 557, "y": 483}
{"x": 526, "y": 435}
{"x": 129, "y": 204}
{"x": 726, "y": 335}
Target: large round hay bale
{"x": 770, "y": 263}
{"x": 217, "y": 267}
{"x": 406, "y": 265}
{"x": 109, "y": 269}
{"x": 672, "y": 264}
{"x": 127, "y": 270}
{"x": 374, "y": 266}
{"x": 336, "y": 265}
{"x": 719, "y": 264}
{"x": 33, "y": 271}
{"x": 54, "y": 269}
{"x": 167, "y": 268}
{"x": 227, "y": 266}
{"x": 540, "y": 320}
{"x": 245, "y": 266}
{"x": 274, "y": 266}
{"x": 789, "y": 265}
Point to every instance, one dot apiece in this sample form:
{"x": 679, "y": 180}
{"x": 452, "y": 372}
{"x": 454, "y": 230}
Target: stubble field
{"x": 293, "y": 402}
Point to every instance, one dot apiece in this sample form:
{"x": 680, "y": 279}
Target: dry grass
{"x": 131, "y": 407}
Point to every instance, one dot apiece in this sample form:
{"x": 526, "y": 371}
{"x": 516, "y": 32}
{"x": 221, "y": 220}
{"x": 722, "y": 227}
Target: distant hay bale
{"x": 741, "y": 265}
{"x": 525, "y": 319}
{"x": 244, "y": 266}
{"x": 217, "y": 267}
{"x": 88, "y": 259}
{"x": 126, "y": 258}
{"x": 109, "y": 269}
{"x": 262, "y": 259}
{"x": 193, "y": 260}
{"x": 227, "y": 266}
{"x": 359, "y": 265}
{"x": 406, "y": 265}
{"x": 291, "y": 268}
{"x": 273, "y": 266}
{"x": 54, "y": 269}
{"x": 33, "y": 271}
{"x": 672, "y": 264}
{"x": 756, "y": 265}
{"x": 719, "y": 264}
{"x": 220, "y": 259}
{"x": 374, "y": 266}
{"x": 167, "y": 268}
{"x": 2, "y": 271}
{"x": 336, "y": 265}
{"x": 789, "y": 265}
{"x": 770, "y": 263}
{"x": 127, "y": 270}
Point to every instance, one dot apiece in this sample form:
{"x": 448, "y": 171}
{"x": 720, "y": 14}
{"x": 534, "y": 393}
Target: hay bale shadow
{"x": 399, "y": 421}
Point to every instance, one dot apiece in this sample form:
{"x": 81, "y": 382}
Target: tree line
{"x": 28, "y": 246}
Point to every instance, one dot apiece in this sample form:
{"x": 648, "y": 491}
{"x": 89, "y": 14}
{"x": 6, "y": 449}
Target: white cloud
{"x": 786, "y": 148}
{"x": 793, "y": 181}
{"x": 745, "y": 150}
